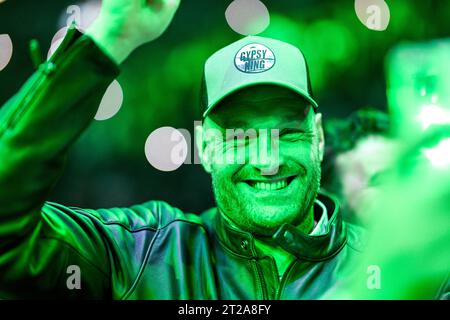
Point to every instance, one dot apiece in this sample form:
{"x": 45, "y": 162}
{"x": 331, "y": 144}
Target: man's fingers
{"x": 168, "y": 10}
{"x": 171, "y": 6}
{"x": 154, "y": 4}
{"x": 159, "y": 5}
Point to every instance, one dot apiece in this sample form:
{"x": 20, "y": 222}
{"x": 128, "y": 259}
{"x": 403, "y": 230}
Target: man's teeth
{"x": 270, "y": 185}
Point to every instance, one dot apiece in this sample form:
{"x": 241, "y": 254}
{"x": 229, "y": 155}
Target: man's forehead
{"x": 262, "y": 105}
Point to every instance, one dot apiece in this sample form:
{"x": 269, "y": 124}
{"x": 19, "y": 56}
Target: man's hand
{"x": 124, "y": 25}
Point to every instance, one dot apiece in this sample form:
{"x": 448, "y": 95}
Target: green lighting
{"x": 439, "y": 156}
{"x": 432, "y": 114}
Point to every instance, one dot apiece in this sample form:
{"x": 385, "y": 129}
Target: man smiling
{"x": 272, "y": 235}
{"x": 264, "y": 200}
{"x": 261, "y": 196}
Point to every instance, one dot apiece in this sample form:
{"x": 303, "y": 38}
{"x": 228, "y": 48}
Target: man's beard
{"x": 240, "y": 212}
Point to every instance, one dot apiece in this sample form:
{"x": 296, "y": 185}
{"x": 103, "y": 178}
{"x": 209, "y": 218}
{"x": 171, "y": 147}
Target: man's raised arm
{"x": 38, "y": 125}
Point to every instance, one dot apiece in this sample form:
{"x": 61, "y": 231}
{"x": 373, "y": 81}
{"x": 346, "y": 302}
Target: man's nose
{"x": 267, "y": 157}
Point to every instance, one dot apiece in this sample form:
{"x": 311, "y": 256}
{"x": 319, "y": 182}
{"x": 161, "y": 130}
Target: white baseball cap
{"x": 253, "y": 61}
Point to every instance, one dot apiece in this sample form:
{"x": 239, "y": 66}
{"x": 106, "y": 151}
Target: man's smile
{"x": 268, "y": 186}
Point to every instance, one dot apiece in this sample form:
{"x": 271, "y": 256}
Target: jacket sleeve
{"x": 45, "y": 247}
{"x": 444, "y": 292}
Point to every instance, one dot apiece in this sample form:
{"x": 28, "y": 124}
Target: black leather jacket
{"x": 148, "y": 251}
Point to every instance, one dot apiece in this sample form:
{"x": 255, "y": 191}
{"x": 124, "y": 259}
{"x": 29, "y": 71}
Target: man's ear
{"x": 321, "y": 135}
{"x": 203, "y": 153}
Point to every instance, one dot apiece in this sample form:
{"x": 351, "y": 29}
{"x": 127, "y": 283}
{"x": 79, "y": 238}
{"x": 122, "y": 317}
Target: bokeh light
{"x": 439, "y": 156}
{"x": 82, "y": 15}
{"x": 166, "y": 149}
{"x": 111, "y": 102}
{"x": 432, "y": 114}
{"x": 6, "y": 50}
{"x": 56, "y": 41}
{"x": 247, "y": 17}
{"x": 374, "y": 14}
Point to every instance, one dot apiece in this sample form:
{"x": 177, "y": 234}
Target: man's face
{"x": 260, "y": 194}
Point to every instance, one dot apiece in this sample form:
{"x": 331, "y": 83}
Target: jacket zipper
{"x": 283, "y": 279}
{"x": 12, "y": 115}
{"x": 261, "y": 279}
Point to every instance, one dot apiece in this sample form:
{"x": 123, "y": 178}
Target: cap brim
{"x": 286, "y": 85}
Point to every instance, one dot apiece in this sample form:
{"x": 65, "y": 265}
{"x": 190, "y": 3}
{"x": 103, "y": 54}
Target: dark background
{"x": 108, "y": 167}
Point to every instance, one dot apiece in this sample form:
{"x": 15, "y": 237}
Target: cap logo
{"x": 254, "y": 58}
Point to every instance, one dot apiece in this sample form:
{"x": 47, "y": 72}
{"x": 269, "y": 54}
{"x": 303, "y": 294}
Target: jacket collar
{"x": 303, "y": 246}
